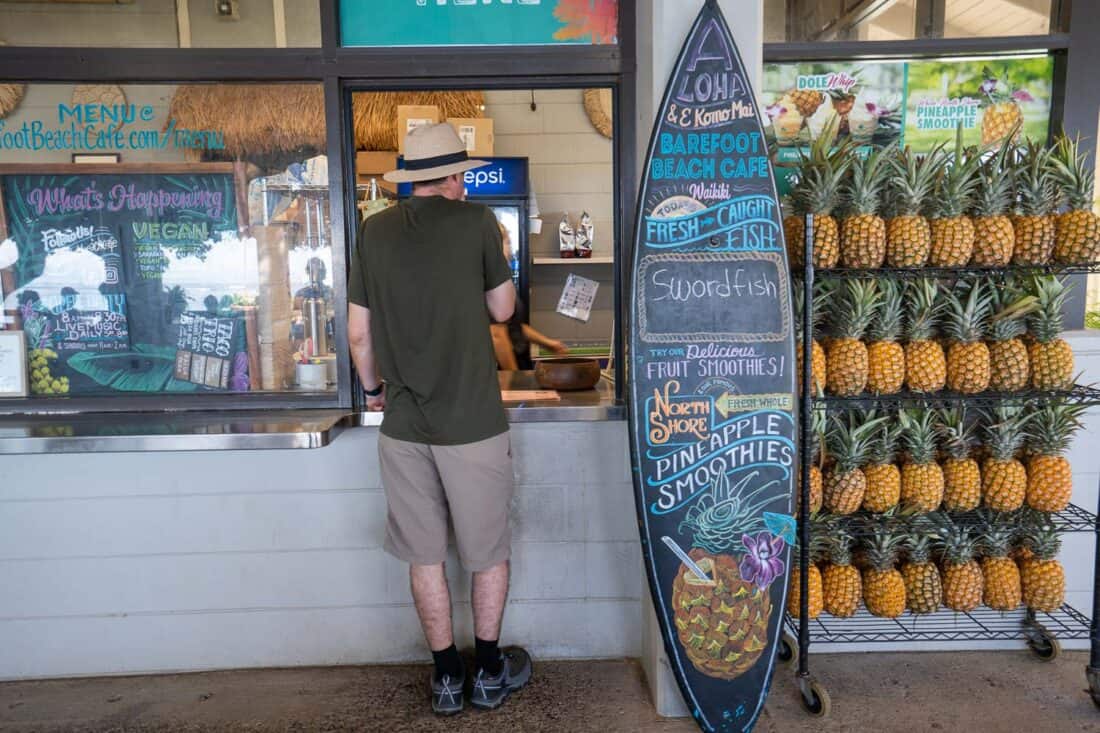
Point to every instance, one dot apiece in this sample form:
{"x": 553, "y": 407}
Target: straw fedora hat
{"x": 431, "y": 152}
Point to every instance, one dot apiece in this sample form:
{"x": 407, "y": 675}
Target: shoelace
{"x": 446, "y": 690}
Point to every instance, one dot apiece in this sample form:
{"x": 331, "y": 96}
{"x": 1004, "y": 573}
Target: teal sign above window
{"x": 478, "y": 22}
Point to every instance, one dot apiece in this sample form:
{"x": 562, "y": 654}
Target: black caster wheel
{"x": 815, "y": 700}
{"x": 1045, "y": 647}
{"x": 787, "y": 653}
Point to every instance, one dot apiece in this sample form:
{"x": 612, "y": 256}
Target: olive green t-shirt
{"x": 423, "y": 267}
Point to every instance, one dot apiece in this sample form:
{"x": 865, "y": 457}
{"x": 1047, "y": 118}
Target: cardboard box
{"x": 476, "y": 132}
{"x": 410, "y": 116}
{"x": 372, "y": 164}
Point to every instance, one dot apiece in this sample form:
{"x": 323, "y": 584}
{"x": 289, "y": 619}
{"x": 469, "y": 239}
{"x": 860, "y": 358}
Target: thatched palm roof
{"x": 261, "y": 119}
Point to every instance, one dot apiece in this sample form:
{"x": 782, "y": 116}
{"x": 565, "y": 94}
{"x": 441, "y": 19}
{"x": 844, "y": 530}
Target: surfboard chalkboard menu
{"x": 106, "y": 281}
{"x": 711, "y": 383}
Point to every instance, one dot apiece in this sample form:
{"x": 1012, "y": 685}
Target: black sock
{"x": 488, "y": 656}
{"x": 447, "y": 662}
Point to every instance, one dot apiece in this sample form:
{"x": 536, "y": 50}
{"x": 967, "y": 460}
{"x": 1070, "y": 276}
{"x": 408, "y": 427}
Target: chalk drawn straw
{"x": 698, "y": 571}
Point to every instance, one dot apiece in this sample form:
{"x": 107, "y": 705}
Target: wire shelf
{"x": 1079, "y": 394}
{"x": 939, "y": 273}
{"x": 1071, "y": 519}
{"x": 983, "y": 624}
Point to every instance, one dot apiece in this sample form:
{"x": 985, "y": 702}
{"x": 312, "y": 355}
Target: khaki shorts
{"x": 471, "y": 483}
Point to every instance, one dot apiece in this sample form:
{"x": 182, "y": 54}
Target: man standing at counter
{"x": 426, "y": 277}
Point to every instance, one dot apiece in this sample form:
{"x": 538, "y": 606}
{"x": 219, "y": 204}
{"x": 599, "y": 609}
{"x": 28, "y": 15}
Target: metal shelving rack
{"x": 1040, "y": 631}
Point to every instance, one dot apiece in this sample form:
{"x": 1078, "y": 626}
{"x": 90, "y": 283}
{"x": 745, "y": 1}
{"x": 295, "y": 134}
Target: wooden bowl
{"x": 567, "y": 373}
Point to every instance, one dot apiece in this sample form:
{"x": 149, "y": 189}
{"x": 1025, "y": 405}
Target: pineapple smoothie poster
{"x": 711, "y": 384}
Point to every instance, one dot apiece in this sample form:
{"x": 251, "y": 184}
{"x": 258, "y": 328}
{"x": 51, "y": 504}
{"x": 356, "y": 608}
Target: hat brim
{"x": 430, "y": 174}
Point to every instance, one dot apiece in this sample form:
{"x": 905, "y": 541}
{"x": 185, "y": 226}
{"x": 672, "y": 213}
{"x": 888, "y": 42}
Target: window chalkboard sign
{"x": 103, "y": 282}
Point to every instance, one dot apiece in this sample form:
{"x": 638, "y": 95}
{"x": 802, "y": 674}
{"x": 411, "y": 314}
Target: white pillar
{"x": 663, "y": 26}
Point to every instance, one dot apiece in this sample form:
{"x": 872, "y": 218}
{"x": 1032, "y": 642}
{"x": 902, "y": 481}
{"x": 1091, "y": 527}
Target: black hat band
{"x": 420, "y": 164}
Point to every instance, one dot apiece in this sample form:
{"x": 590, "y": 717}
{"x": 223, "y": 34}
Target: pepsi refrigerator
{"x": 502, "y": 186}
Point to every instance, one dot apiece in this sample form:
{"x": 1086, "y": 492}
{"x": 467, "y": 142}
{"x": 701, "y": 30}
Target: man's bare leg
{"x": 433, "y": 604}
{"x": 489, "y": 595}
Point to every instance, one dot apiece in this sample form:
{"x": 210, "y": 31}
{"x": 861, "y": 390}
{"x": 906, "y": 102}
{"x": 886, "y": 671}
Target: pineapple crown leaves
{"x": 1039, "y": 534}
{"x": 1053, "y": 426}
{"x": 849, "y": 443}
{"x": 925, "y": 309}
{"x": 922, "y": 538}
{"x": 1005, "y": 428}
{"x": 998, "y": 89}
{"x": 890, "y": 318}
{"x": 1045, "y": 321}
{"x": 861, "y": 190}
{"x": 999, "y": 533}
{"x": 914, "y": 177}
{"x": 1034, "y": 181}
{"x": 727, "y": 511}
{"x": 956, "y": 184}
{"x": 817, "y": 189}
{"x": 956, "y": 432}
{"x": 854, "y": 308}
{"x": 884, "y": 447}
{"x": 821, "y": 294}
{"x": 1072, "y": 173}
{"x": 995, "y": 192}
{"x": 919, "y": 431}
{"x": 968, "y": 310}
{"x": 959, "y": 545}
{"x": 819, "y": 423}
{"x": 1011, "y": 307}
{"x": 887, "y": 539}
{"x": 820, "y": 530}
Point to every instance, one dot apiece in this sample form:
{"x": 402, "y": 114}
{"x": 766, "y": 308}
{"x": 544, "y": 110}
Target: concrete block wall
{"x": 571, "y": 171}
{"x": 158, "y": 562}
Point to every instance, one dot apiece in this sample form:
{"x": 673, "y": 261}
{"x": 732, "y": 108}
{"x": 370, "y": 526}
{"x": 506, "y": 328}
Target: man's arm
{"x": 501, "y": 301}
{"x": 362, "y": 354}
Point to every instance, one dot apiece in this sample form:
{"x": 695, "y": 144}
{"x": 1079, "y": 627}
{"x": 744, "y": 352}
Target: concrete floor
{"x": 1002, "y": 691}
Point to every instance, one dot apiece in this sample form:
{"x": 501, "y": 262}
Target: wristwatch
{"x": 376, "y": 391}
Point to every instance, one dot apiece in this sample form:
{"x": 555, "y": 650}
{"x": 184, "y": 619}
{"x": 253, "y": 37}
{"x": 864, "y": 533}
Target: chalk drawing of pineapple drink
{"x": 720, "y": 596}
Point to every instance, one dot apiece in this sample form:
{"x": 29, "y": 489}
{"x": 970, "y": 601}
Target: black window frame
{"x": 342, "y": 70}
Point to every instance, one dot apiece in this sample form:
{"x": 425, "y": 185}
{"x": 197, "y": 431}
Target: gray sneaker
{"x": 447, "y": 694}
{"x": 490, "y": 692}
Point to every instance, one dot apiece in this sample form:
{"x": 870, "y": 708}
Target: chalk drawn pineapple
{"x": 722, "y": 621}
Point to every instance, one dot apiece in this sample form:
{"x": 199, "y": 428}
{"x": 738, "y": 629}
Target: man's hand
{"x": 377, "y": 404}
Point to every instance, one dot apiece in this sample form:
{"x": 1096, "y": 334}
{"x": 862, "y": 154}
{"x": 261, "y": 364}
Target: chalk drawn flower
{"x": 762, "y": 564}
{"x": 775, "y": 111}
{"x": 989, "y": 86}
{"x": 1021, "y": 95}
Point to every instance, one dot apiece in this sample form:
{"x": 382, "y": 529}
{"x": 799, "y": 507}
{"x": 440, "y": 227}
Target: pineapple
{"x": 816, "y": 192}
{"x": 1077, "y": 230}
{"x": 818, "y": 424}
{"x": 962, "y": 575}
{"x": 846, "y": 354}
{"x": 1009, "y": 369}
{"x": 815, "y": 592}
{"x": 1001, "y": 115}
{"x": 883, "y": 585}
{"x": 923, "y": 587}
{"x": 818, "y": 363}
{"x": 863, "y": 231}
{"x": 962, "y": 479}
{"x": 1051, "y": 357}
{"x": 1032, "y": 225}
{"x": 952, "y": 230}
{"x": 885, "y": 356}
{"x": 966, "y": 322}
{"x": 883, "y": 476}
{"x": 925, "y": 363}
{"x": 994, "y": 238}
{"x": 848, "y": 444}
{"x": 1004, "y": 479}
{"x": 722, "y": 622}
{"x": 842, "y": 583}
{"x": 1000, "y": 574}
{"x": 1049, "y": 475}
{"x": 806, "y": 100}
{"x": 1042, "y": 576}
{"x": 922, "y": 482}
{"x": 908, "y": 237}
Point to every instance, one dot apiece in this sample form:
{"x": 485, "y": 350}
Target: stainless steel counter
{"x": 260, "y": 430}
{"x": 132, "y": 432}
{"x": 596, "y": 404}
